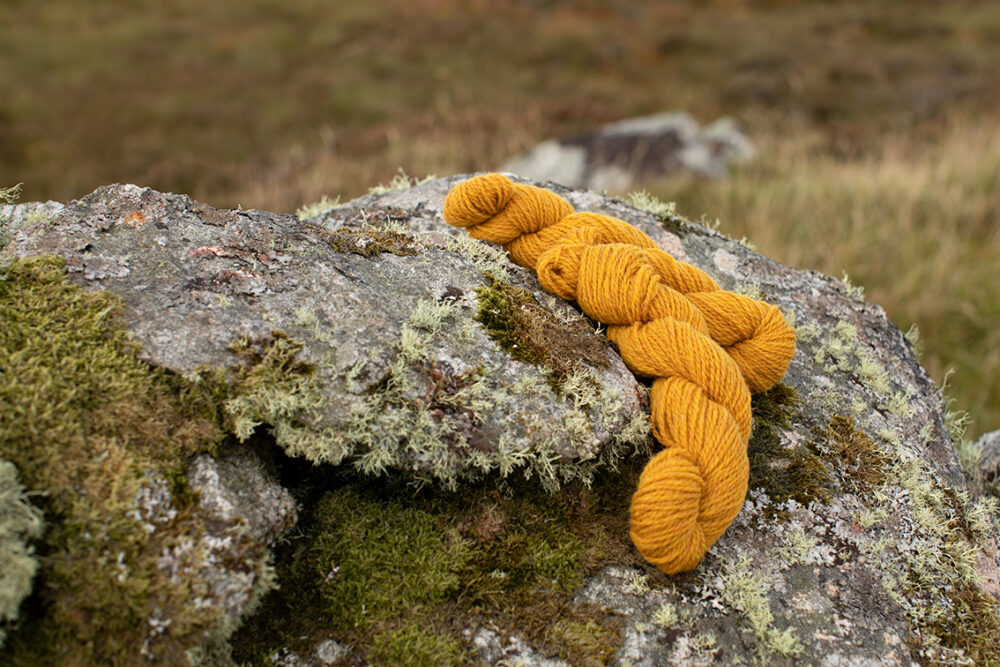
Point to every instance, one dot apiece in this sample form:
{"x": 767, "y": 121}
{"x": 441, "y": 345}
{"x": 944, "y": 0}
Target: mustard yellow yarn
{"x": 706, "y": 350}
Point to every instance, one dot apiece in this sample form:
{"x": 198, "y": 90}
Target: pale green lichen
{"x": 912, "y": 336}
{"x": 272, "y": 387}
{"x": 490, "y": 261}
{"x": 750, "y": 289}
{"x": 797, "y": 545}
{"x": 808, "y": 332}
{"x": 900, "y": 404}
{"x": 20, "y": 523}
{"x": 745, "y": 589}
{"x": 7, "y": 196}
{"x": 856, "y": 291}
{"x": 639, "y": 584}
{"x": 666, "y": 616}
{"x": 400, "y": 182}
{"x": 10, "y": 194}
{"x": 318, "y": 208}
{"x": 839, "y": 351}
{"x": 644, "y": 201}
{"x": 394, "y": 423}
{"x": 872, "y": 375}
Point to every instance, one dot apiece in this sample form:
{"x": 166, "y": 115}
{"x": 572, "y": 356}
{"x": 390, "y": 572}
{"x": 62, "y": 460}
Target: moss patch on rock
{"x": 865, "y": 465}
{"x": 783, "y": 473}
{"x": 528, "y": 332}
{"x": 370, "y": 241}
{"x": 379, "y": 560}
{"x": 97, "y": 432}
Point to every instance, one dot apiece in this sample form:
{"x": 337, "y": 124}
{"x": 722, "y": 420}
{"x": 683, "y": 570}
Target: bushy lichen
{"x": 97, "y": 432}
{"x": 644, "y": 201}
{"x": 318, "y": 208}
{"x": 401, "y": 181}
{"x": 745, "y": 589}
{"x": 423, "y": 414}
{"x": 491, "y": 262}
{"x": 8, "y": 195}
{"x": 269, "y": 385}
{"x": 20, "y": 522}
{"x": 665, "y": 211}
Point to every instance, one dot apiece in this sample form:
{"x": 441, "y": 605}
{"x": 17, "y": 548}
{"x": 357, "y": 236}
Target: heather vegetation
{"x": 875, "y": 122}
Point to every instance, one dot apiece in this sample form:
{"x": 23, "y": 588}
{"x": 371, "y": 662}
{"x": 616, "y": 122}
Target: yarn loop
{"x": 706, "y": 349}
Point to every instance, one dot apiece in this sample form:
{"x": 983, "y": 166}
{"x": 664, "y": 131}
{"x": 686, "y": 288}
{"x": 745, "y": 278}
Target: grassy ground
{"x": 916, "y": 224}
{"x": 875, "y": 119}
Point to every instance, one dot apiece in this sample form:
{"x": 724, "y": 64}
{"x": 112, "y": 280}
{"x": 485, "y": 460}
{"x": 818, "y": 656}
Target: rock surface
{"x": 384, "y": 318}
{"x": 236, "y": 489}
{"x": 858, "y": 543}
{"x": 617, "y": 155}
{"x": 988, "y": 446}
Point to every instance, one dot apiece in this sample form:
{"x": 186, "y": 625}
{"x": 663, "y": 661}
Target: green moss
{"x": 401, "y": 181}
{"x": 783, "y": 473}
{"x": 584, "y": 642}
{"x": 89, "y": 425}
{"x": 528, "y": 332}
{"x": 375, "y": 557}
{"x": 413, "y": 646}
{"x": 865, "y": 465}
{"x": 378, "y": 557}
{"x": 973, "y": 626}
{"x": 370, "y": 241}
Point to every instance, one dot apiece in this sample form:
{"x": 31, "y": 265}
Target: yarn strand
{"x": 707, "y": 350}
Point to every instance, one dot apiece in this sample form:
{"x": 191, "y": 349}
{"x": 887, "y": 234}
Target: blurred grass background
{"x": 879, "y": 151}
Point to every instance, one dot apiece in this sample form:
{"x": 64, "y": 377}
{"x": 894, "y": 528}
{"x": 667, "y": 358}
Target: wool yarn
{"x": 705, "y": 349}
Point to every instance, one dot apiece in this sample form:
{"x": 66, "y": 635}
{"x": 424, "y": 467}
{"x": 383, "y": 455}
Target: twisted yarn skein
{"x": 706, "y": 349}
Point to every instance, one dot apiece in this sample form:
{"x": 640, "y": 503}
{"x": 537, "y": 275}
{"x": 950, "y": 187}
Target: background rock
{"x": 858, "y": 543}
{"x": 617, "y": 155}
{"x": 989, "y": 462}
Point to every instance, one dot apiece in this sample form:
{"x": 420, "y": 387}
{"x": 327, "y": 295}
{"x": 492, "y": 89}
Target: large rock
{"x": 617, "y": 155}
{"x": 376, "y": 340}
{"x": 353, "y": 338}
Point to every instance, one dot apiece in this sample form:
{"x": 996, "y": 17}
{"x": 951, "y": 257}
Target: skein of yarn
{"x": 706, "y": 350}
